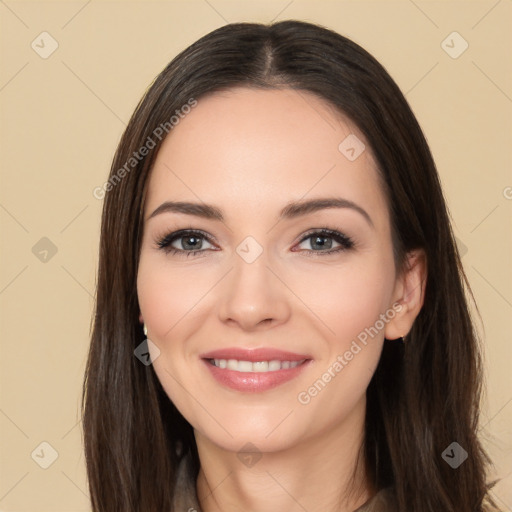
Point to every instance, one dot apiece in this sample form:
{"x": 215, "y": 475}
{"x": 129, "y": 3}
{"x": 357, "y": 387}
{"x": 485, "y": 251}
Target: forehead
{"x": 264, "y": 147}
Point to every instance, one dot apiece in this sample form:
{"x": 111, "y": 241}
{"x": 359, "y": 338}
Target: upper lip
{"x": 254, "y": 355}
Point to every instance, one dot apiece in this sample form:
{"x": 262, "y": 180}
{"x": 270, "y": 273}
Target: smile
{"x": 257, "y": 367}
{"x": 254, "y": 370}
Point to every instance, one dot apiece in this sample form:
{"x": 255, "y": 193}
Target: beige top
{"x": 185, "y": 498}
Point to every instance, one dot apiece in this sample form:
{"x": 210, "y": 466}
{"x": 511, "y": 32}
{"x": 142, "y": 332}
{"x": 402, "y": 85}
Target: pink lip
{"x": 254, "y": 355}
{"x": 254, "y": 382}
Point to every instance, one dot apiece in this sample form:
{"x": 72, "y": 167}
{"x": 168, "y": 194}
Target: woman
{"x": 274, "y": 224}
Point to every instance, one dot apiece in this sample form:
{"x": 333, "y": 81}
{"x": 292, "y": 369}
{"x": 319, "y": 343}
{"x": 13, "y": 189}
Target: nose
{"x": 253, "y": 297}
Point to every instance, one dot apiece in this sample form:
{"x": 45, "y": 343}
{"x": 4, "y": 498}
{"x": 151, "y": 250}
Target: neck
{"x": 325, "y": 472}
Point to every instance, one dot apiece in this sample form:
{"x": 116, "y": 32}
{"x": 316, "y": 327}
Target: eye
{"x": 188, "y": 242}
{"x": 183, "y": 242}
{"x": 321, "y": 242}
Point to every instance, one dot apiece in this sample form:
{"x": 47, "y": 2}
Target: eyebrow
{"x": 290, "y": 211}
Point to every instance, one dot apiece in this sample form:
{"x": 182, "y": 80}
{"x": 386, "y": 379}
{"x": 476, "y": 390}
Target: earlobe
{"x": 410, "y": 295}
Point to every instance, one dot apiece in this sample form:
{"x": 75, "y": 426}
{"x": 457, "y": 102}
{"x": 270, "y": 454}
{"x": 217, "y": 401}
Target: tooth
{"x": 274, "y": 365}
{"x": 244, "y": 366}
{"x": 260, "y": 366}
{"x": 232, "y": 364}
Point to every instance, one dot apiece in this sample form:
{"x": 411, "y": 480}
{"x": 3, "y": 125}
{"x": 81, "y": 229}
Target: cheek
{"x": 350, "y": 304}
{"x": 348, "y": 299}
{"x": 166, "y": 297}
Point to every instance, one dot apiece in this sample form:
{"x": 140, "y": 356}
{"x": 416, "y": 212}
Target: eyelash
{"x": 163, "y": 243}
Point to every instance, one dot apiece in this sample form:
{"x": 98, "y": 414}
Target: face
{"x": 269, "y": 317}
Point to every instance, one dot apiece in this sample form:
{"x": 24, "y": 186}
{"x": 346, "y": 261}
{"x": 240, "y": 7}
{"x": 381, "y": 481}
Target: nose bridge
{"x": 252, "y": 294}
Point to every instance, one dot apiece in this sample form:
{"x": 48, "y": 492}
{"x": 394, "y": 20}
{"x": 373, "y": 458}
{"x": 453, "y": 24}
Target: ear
{"x": 409, "y": 295}
{"x": 141, "y": 320}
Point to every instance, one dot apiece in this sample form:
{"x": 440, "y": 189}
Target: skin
{"x": 250, "y": 152}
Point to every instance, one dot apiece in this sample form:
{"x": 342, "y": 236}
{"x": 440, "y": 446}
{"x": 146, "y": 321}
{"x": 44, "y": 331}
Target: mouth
{"x": 254, "y": 370}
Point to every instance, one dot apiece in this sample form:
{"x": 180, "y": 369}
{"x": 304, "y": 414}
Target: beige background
{"x": 62, "y": 118}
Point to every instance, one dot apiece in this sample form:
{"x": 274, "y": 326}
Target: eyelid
{"x": 174, "y": 235}
{"x": 325, "y": 231}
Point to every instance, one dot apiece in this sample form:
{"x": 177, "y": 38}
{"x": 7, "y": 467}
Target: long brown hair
{"x": 424, "y": 394}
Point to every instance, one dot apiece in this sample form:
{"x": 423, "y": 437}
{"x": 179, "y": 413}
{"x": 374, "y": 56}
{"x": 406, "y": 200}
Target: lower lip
{"x": 254, "y": 382}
